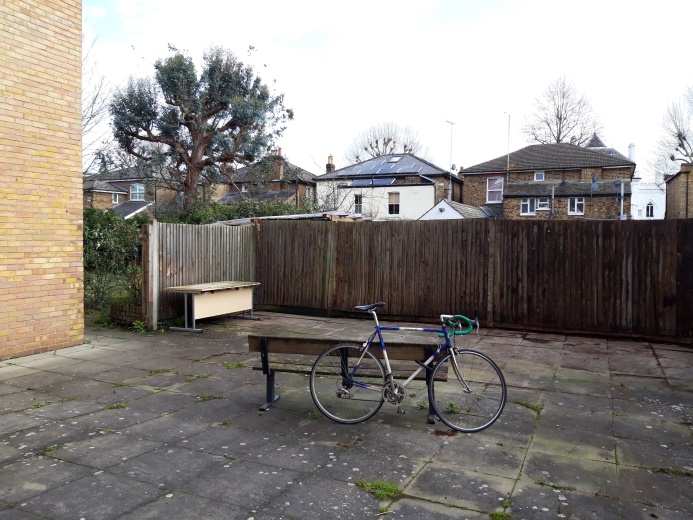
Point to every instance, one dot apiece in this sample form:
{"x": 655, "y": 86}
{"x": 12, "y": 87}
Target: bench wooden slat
{"x": 315, "y": 346}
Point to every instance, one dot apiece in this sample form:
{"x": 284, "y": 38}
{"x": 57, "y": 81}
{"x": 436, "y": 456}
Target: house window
{"x": 137, "y": 192}
{"x": 494, "y": 189}
{"x": 649, "y": 210}
{"x": 528, "y": 207}
{"x": 576, "y": 206}
{"x": 543, "y": 204}
{"x": 358, "y": 204}
{"x": 114, "y": 198}
{"x": 538, "y": 176}
{"x": 309, "y": 192}
{"x": 243, "y": 188}
{"x": 393, "y": 203}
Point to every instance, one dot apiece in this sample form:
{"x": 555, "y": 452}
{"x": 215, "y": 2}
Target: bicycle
{"x": 466, "y": 389}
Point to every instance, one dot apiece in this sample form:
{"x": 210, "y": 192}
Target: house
{"x": 280, "y": 180}
{"x": 680, "y": 193}
{"x": 557, "y": 181}
{"x": 109, "y": 190}
{"x": 648, "y": 199}
{"x": 394, "y": 186}
{"x": 451, "y": 210}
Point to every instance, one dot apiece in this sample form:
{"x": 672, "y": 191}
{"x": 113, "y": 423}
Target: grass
{"x": 116, "y": 406}
{"x": 47, "y": 450}
{"x": 500, "y": 515}
{"x": 66, "y": 399}
{"x": 543, "y": 481}
{"x": 158, "y": 371}
{"x": 138, "y": 326}
{"x": 422, "y": 405}
{"x": 314, "y": 415}
{"x": 235, "y": 364}
{"x": 209, "y": 397}
{"x": 532, "y": 406}
{"x": 673, "y": 471}
{"x": 452, "y": 407}
{"x": 380, "y": 489}
{"x": 194, "y": 377}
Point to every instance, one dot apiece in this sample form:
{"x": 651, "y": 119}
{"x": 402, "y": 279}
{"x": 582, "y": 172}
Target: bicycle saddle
{"x": 369, "y": 307}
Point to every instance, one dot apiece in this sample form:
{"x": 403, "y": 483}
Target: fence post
{"x": 151, "y": 276}
{"x": 492, "y": 260}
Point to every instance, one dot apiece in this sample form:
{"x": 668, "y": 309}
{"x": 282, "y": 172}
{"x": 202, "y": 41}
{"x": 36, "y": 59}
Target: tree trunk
{"x": 190, "y": 187}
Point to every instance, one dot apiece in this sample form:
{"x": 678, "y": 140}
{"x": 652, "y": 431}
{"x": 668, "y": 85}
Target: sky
{"x": 344, "y": 67}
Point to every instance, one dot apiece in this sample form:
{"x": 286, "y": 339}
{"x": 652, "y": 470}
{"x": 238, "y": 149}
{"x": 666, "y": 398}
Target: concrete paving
{"x": 140, "y": 426}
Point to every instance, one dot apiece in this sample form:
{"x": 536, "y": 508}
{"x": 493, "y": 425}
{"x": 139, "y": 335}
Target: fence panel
{"x": 185, "y": 254}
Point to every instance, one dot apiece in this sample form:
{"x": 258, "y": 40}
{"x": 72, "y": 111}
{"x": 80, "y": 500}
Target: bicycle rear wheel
{"x": 473, "y": 402}
{"x": 342, "y": 394}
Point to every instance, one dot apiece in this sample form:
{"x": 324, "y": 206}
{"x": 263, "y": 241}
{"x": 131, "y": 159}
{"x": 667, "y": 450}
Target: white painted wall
{"x": 643, "y": 193}
{"x": 414, "y": 201}
{"x": 447, "y": 213}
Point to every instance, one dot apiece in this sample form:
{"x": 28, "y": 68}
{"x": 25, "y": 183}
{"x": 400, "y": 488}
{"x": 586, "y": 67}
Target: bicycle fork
{"x": 458, "y": 375}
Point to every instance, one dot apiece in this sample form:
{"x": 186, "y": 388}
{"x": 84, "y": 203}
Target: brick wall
{"x": 606, "y": 207}
{"x": 41, "y": 276}
{"x": 676, "y": 194}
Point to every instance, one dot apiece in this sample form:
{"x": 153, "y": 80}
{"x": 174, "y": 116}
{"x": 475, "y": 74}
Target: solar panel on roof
{"x": 367, "y": 183}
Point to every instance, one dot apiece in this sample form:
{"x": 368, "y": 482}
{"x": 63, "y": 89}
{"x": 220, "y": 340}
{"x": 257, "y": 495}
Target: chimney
{"x": 329, "y": 167}
{"x": 279, "y": 164}
{"x": 631, "y": 152}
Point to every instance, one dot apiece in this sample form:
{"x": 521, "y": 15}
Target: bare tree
{"x": 678, "y": 128}
{"x": 383, "y": 139}
{"x": 96, "y": 93}
{"x": 562, "y": 115}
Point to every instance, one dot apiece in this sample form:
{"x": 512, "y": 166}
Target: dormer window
{"x": 137, "y": 192}
{"x": 539, "y": 176}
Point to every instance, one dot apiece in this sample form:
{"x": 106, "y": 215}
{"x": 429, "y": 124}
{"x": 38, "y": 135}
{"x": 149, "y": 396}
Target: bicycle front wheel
{"x": 344, "y": 389}
{"x": 473, "y": 401}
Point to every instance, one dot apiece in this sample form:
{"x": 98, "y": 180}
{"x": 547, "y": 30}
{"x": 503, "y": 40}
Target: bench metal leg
{"x": 271, "y": 396}
{"x": 429, "y": 384}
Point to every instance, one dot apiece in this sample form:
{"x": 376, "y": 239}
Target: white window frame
{"x": 574, "y": 205}
{"x": 539, "y": 176}
{"x": 528, "y": 206}
{"x": 137, "y": 192}
{"x": 309, "y": 192}
{"x": 358, "y": 203}
{"x": 649, "y": 210}
{"x": 543, "y": 204}
{"x": 495, "y": 189}
{"x": 393, "y": 203}
{"x": 114, "y": 198}
{"x": 244, "y": 188}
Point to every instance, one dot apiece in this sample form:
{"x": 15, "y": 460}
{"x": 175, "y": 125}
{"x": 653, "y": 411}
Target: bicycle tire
{"x": 474, "y": 404}
{"x": 338, "y": 398}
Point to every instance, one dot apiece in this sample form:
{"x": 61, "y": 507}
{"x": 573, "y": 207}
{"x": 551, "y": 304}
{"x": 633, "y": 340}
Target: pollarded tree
{"x": 562, "y": 116}
{"x": 678, "y": 128}
{"x": 190, "y": 129}
{"x": 383, "y": 139}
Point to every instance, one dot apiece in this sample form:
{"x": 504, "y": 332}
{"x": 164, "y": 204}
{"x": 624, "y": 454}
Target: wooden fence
{"x": 181, "y": 254}
{"x": 630, "y": 277}
{"x": 615, "y": 277}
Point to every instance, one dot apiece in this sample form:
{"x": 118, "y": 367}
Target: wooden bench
{"x": 283, "y": 350}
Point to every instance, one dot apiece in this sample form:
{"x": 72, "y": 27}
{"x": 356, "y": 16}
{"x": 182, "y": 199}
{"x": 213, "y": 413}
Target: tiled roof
{"x": 131, "y": 207}
{"x": 263, "y": 195}
{"x": 241, "y": 175}
{"x": 549, "y": 157}
{"x": 104, "y": 186}
{"x": 390, "y": 165}
{"x": 595, "y": 142}
{"x": 563, "y": 189}
{"x": 467, "y": 211}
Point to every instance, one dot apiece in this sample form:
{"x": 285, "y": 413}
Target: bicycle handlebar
{"x": 455, "y": 322}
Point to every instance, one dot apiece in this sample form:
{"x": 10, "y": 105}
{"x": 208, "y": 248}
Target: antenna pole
{"x": 450, "y": 163}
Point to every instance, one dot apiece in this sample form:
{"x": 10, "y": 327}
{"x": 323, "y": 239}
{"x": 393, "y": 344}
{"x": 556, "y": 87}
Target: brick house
{"x": 285, "y": 182}
{"x": 680, "y": 193}
{"x": 553, "y": 181}
{"x": 110, "y": 190}
{"x": 389, "y": 187}
{"x": 41, "y": 266}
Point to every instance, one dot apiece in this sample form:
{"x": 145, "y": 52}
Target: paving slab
{"x": 156, "y": 426}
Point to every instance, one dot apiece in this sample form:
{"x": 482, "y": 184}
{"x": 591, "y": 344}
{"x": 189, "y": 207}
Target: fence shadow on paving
{"x": 630, "y": 277}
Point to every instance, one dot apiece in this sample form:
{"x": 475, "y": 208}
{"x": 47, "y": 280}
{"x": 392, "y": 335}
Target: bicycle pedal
{"x": 400, "y": 410}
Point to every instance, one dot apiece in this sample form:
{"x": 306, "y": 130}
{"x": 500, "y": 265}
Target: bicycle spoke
{"x": 343, "y": 394}
{"x": 477, "y": 401}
